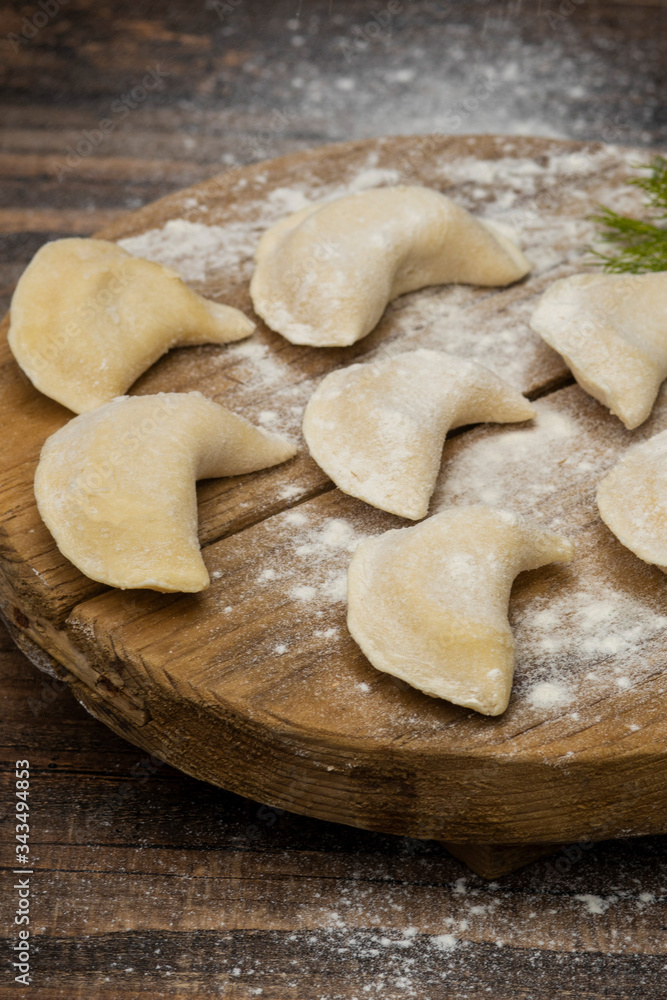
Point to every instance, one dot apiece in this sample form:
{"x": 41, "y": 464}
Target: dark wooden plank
{"x": 227, "y": 884}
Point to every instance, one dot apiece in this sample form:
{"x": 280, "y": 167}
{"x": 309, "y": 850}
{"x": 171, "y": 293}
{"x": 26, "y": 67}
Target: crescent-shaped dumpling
{"x": 429, "y": 603}
{"x": 378, "y": 429}
{"x": 611, "y": 330}
{"x": 632, "y": 500}
{"x": 116, "y": 487}
{"x": 87, "y": 318}
{"x": 325, "y": 274}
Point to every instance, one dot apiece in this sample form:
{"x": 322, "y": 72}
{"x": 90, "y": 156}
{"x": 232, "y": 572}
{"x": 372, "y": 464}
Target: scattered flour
{"x": 583, "y": 623}
{"x": 549, "y": 695}
{"x": 312, "y": 556}
{"x": 288, "y": 200}
{"x": 266, "y": 368}
{"x": 196, "y": 250}
{"x": 296, "y": 518}
{"x": 595, "y": 904}
{"x": 489, "y": 470}
{"x": 289, "y": 492}
{"x": 371, "y": 178}
{"x": 303, "y": 592}
{"x": 327, "y": 633}
{"x": 444, "y": 942}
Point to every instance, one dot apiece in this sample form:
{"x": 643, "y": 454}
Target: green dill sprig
{"x": 642, "y": 243}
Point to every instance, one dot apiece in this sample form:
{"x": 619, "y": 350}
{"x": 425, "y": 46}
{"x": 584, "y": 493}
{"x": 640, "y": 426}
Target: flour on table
{"x": 444, "y": 942}
{"x": 595, "y": 904}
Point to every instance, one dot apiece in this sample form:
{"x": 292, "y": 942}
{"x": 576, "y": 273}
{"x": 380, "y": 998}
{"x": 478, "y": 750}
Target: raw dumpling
{"x": 611, "y": 330}
{"x": 632, "y": 500}
{"x": 87, "y": 318}
{"x": 429, "y": 603}
{"x": 116, "y": 487}
{"x": 325, "y": 274}
{"x": 378, "y": 429}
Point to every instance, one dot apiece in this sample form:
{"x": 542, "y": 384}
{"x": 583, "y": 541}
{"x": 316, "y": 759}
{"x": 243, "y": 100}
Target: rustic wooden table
{"x": 147, "y": 883}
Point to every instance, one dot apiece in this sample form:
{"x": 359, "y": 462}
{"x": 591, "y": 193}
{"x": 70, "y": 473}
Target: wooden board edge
{"x": 253, "y": 171}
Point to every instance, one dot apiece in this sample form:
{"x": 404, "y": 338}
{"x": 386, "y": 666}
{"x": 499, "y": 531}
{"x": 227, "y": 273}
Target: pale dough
{"x": 632, "y": 500}
{"x": 325, "y": 274}
{"x": 378, "y": 429}
{"x": 611, "y": 330}
{"x": 87, "y": 318}
{"x": 429, "y": 603}
{"x": 116, "y": 487}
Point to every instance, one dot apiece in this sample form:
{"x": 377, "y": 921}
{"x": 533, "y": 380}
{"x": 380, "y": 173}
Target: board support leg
{"x": 492, "y": 860}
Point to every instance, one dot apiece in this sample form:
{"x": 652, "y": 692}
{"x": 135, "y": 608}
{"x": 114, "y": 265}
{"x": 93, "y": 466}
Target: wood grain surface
{"x": 255, "y": 684}
{"x": 221, "y": 899}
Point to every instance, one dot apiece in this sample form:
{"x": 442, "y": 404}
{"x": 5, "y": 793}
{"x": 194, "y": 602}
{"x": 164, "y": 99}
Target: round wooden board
{"x": 255, "y": 684}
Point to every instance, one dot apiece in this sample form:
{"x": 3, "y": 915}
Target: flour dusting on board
{"x": 313, "y": 557}
{"x": 490, "y": 326}
{"x": 586, "y": 635}
{"x": 194, "y": 249}
{"x": 198, "y": 250}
